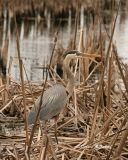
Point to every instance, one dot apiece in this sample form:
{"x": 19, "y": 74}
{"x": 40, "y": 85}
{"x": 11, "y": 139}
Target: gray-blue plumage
{"x": 54, "y": 99}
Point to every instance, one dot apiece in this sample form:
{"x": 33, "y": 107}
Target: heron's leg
{"x": 45, "y": 127}
{"x": 55, "y": 120}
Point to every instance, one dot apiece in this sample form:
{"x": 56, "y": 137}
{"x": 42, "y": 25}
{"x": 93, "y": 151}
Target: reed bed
{"x": 76, "y": 138}
{"x": 33, "y": 8}
{"x": 87, "y": 129}
{"x": 93, "y": 125}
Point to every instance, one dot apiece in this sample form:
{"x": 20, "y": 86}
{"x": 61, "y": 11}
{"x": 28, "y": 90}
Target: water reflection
{"x": 36, "y": 43}
{"x": 121, "y": 36}
{"x": 36, "y": 38}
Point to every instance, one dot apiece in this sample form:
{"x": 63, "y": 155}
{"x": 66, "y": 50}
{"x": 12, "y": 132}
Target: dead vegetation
{"x": 86, "y": 129}
{"x": 94, "y": 122}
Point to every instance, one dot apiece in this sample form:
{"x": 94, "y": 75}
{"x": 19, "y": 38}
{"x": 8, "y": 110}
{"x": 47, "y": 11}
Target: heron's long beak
{"x": 87, "y": 55}
{"x": 80, "y": 55}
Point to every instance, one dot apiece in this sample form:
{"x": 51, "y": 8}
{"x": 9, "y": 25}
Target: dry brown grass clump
{"x": 86, "y": 128}
{"x": 94, "y": 122}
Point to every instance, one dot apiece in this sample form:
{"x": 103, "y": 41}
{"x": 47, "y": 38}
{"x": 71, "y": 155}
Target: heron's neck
{"x": 70, "y": 76}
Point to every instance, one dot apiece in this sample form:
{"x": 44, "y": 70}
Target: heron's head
{"x": 72, "y": 54}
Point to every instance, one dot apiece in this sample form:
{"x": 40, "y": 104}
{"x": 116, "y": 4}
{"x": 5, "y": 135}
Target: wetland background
{"x": 94, "y": 122}
{"x": 38, "y": 21}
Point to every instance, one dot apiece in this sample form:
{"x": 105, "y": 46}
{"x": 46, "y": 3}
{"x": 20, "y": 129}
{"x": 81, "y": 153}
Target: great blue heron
{"x": 55, "y": 97}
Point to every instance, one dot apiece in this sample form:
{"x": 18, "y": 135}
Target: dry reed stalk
{"x": 53, "y": 77}
{"x": 15, "y": 152}
{"x": 74, "y": 142}
{"x": 22, "y": 79}
{"x": 76, "y": 108}
{"x": 24, "y": 101}
{"x": 51, "y": 148}
{"x": 30, "y": 87}
{"x": 11, "y": 153}
{"x": 44, "y": 65}
{"x": 3, "y": 57}
{"x": 92, "y": 56}
{"x": 102, "y": 78}
{"x": 62, "y": 81}
{"x": 9, "y": 103}
{"x": 63, "y": 157}
{"x": 76, "y": 66}
{"x": 80, "y": 48}
{"x": 115, "y": 139}
{"x": 91, "y": 73}
{"x": 9, "y": 71}
{"x": 75, "y": 33}
{"x": 41, "y": 99}
{"x": 4, "y": 52}
{"x": 44, "y": 149}
{"x": 108, "y": 91}
{"x": 122, "y": 142}
{"x": 3, "y": 65}
{"x": 85, "y": 62}
{"x": 80, "y": 44}
{"x": 120, "y": 69}
{"x": 13, "y": 101}
{"x": 110, "y": 118}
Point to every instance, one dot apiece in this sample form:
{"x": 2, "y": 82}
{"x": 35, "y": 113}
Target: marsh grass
{"x": 75, "y": 137}
{"x": 93, "y": 125}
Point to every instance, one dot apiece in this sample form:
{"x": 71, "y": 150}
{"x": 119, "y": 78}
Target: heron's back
{"x": 54, "y": 99}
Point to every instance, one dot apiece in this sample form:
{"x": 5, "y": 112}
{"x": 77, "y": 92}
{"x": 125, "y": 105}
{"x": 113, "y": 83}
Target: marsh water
{"x": 37, "y": 39}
